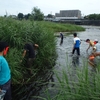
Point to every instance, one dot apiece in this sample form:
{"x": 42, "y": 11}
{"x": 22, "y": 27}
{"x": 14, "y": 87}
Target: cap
{"x": 96, "y": 40}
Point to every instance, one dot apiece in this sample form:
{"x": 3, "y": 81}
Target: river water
{"x": 64, "y": 51}
{"x": 65, "y": 60}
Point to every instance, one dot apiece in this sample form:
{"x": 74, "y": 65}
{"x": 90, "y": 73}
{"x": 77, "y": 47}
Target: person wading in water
{"x": 61, "y": 36}
{"x": 76, "y": 45}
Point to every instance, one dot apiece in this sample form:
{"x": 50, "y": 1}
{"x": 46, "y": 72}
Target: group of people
{"x": 76, "y": 46}
{"x": 95, "y": 50}
{"x": 5, "y": 72}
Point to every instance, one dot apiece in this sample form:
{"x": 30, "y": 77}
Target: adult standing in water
{"x": 76, "y": 45}
{"x": 61, "y": 36}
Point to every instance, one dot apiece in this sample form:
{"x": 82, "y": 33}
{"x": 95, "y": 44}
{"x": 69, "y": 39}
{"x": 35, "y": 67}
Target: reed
{"x": 16, "y": 33}
{"x": 61, "y": 27}
{"x": 82, "y": 85}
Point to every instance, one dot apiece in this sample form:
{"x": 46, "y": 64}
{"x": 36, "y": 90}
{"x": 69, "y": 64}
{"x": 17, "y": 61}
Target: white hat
{"x": 96, "y": 40}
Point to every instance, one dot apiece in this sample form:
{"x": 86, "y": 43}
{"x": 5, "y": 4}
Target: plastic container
{"x": 2, "y": 94}
{"x": 91, "y": 57}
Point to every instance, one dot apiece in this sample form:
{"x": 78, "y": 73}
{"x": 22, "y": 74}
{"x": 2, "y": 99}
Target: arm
{"x": 0, "y": 68}
{"x": 88, "y": 48}
{"x": 94, "y": 49}
{"x": 24, "y": 53}
{"x": 25, "y": 50}
{"x": 73, "y": 45}
{"x": 80, "y": 41}
{"x": 36, "y": 46}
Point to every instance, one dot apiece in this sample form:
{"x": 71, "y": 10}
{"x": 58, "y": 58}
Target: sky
{"x": 13, "y": 7}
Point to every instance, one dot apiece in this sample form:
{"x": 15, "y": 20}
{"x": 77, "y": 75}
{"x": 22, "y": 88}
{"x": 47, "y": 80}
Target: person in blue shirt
{"x": 76, "y": 45}
{"x": 5, "y": 75}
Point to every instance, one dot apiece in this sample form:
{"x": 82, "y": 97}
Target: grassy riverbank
{"x": 61, "y": 27}
{"x": 17, "y": 32}
{"x": 83, "y": 85}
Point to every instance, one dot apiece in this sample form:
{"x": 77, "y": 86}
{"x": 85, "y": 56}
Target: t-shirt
{"x": 97, "y": 47}
{"x": 91, "y": 43}
{"x": 4, "y": 71}
{"x": 30, "y": 50}
{"x": 77, "y": 42}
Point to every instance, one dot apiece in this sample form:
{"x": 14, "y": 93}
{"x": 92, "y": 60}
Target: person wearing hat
{"x": 96, "y": 49}
{"x": 95, "y": 41}
{"x": 95, "y": 53}
{"x": 5, "y": 73}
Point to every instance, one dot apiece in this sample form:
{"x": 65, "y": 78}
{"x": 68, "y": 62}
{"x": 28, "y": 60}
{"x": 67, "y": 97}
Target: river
{"x": 65, "y": 60}
{"x": 92, "y": 33}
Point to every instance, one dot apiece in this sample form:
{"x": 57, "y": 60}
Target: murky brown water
{"x": 65, "y": 59}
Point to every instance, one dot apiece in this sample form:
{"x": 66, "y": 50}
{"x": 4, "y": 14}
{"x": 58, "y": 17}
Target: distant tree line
{"x": 92, "y": 17}
{"x": 36, "y": 14}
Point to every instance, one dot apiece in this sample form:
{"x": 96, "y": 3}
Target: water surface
{"x": 65, "y": 60}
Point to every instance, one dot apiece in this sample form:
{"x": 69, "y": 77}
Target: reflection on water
{"x": 75, "y": 61}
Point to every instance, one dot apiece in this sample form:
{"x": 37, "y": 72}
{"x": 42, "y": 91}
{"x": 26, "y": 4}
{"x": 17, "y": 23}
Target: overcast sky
{"x": 13, "y": 7}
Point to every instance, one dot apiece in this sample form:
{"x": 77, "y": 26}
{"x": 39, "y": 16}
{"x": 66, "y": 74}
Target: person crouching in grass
{"x": 29, "y": 50}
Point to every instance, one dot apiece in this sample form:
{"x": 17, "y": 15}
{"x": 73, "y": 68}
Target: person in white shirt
{"x": 76, "y": 45}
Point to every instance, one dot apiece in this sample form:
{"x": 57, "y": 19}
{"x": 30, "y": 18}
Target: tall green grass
{"x": 16, "y": 33}
{"x": 80, "y": 84}
{"x": 61, "y": 27}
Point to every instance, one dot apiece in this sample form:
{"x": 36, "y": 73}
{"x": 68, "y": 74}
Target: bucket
{"x": 2, "y": 94}
{"x": 91, "y": 57}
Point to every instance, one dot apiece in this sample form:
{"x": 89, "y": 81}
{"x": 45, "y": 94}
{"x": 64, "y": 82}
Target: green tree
{"x": 37, "y": 14}
{"x": 50, "y": 16}
{"x": 98, "y": 17}
{"x": 27, "y": 16}
{"x": 92, "y": 17}
{"x": 20, "y": 15}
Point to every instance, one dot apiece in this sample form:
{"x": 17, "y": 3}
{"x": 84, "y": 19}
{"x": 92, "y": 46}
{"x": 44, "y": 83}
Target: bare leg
{"x": 91, "y": 63}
